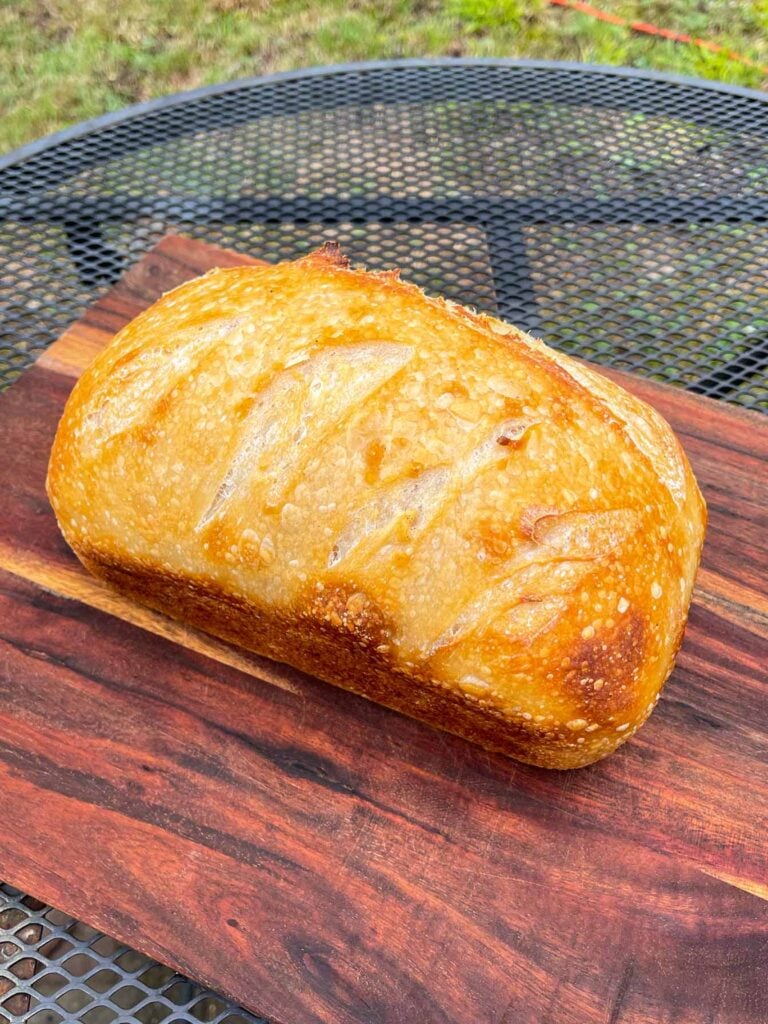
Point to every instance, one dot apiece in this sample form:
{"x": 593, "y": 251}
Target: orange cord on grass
{"x": 653, "y": 30}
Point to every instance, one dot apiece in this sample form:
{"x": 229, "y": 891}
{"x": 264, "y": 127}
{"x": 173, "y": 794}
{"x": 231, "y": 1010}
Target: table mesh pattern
{"x": 54, "y": 969}
{"x": 620, "y": 217}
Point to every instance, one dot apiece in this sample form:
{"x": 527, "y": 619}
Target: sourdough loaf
{"x": 417, "y": 503}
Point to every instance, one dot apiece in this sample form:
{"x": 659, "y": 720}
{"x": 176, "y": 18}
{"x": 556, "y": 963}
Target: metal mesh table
{"x": 622, "y": 216}
{"x": 54, "y": 968}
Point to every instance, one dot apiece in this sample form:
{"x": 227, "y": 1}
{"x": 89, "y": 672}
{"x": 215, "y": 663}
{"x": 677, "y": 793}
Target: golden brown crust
{"x": 415, "y": 502}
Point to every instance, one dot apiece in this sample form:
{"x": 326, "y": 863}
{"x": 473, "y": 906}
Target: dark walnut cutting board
{"x": 319, "y": 858}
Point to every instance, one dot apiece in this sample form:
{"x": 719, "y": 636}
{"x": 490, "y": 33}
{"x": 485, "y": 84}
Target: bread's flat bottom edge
{"x": 333, "y": 655}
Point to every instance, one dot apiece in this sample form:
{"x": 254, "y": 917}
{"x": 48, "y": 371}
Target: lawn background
{"x": 65, "y": 60}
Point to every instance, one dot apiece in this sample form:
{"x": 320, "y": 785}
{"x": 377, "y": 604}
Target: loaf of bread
{"x": 417, "y": 503}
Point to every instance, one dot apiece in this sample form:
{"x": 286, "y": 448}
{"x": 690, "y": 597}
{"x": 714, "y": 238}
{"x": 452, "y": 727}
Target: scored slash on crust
{"x": 309, "y": 396}
{"x": 426, "y": 496}
{"x": 526, "y": 589}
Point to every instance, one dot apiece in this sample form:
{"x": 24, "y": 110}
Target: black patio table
{"x": 620, "y": 215}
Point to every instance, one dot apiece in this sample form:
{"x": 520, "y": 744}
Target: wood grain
{"x": 319, "y": 858}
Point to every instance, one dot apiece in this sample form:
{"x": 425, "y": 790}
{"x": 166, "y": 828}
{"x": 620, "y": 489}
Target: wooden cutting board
{"x": 319, "y": 858}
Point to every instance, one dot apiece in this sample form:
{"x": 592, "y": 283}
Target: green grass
{"x": 65, "y": 60}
